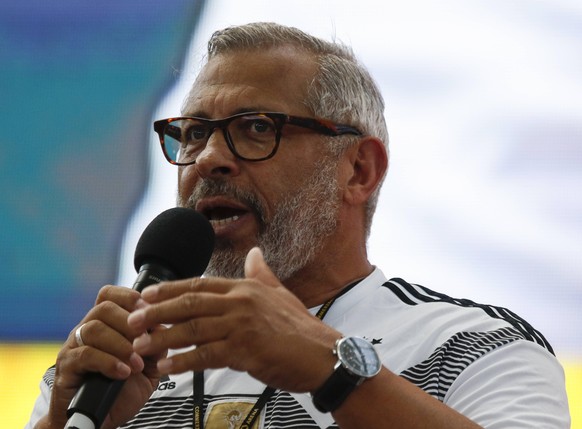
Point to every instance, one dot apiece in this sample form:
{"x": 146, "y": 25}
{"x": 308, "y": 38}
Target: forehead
{"x": 273, "y": 79}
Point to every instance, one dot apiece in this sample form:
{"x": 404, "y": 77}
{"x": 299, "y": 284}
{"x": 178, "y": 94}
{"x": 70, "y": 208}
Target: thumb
{"x": 257, "y": 268}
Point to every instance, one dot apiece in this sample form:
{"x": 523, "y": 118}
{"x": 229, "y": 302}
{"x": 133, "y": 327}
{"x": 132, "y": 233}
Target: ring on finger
{"x": 78, "y": 337}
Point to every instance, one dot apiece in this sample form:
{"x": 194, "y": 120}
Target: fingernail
{"x": 122, "y": 369}
{"x": 165, "y": 365}
{"x": 150, "y": 292}
{"x": 136, "y": 362}
{"x": 141, "y": 304}
{"x": 142, "y": 342}
{"x": 136, "y": 318}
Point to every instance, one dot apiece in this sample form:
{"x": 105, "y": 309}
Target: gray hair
{"x": 342, "y": 90}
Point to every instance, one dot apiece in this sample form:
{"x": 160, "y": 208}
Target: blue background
{"x": 78, "y": 82}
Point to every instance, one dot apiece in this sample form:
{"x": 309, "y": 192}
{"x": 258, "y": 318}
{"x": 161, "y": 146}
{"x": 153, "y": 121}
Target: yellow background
{"x": 22, "y": 367}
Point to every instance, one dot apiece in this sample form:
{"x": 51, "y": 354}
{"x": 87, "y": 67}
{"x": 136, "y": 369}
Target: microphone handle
{"x": 94, "y": 399}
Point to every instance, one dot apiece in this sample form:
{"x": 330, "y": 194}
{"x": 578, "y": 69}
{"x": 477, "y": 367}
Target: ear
{"x": 369, "y": 162}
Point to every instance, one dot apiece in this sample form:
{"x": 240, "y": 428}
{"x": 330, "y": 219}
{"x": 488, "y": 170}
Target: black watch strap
{"x": 335, "y": 390}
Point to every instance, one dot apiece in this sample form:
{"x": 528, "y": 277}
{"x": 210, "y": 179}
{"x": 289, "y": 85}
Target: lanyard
{"x": 198, "y": 394}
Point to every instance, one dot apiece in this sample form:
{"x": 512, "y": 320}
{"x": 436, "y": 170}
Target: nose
{"x": 217, "y": 160}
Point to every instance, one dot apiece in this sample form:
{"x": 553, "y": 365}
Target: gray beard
{"x": 293, "y": 237}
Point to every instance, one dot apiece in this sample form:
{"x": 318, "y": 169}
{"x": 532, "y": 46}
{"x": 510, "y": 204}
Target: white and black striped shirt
{"x": 484, "y": 361}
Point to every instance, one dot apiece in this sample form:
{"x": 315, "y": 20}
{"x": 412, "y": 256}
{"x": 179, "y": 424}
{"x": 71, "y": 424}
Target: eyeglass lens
{"x": 249, "y": 137}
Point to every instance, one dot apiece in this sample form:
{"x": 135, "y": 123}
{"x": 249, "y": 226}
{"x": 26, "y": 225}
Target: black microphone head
{"x": 179, "y": 239}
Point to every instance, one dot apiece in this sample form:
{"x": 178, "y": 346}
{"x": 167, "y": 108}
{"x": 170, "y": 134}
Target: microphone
{"x": 177, "y": 244}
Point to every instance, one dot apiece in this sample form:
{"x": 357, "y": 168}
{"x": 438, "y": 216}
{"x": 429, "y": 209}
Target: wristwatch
{"x": 358, "y": 361}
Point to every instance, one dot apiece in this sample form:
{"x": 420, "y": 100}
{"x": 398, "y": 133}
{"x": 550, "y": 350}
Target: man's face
{"x": 288, "y": 204}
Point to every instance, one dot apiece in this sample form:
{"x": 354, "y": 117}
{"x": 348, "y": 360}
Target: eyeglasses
{"x": 250, "y": 136}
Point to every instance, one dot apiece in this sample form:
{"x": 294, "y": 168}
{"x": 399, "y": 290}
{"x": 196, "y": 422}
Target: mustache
{"x": 213, "y": 188}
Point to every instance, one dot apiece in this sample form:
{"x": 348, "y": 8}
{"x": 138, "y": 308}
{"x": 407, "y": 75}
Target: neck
{"x": 341, "y": 260}
{"x": 318, "y": 285}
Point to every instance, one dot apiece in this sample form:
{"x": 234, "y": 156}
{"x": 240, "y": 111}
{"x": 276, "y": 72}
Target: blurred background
{"x": 482, "y": 200}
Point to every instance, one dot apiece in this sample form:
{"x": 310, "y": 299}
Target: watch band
{"x": 335, "y": 390}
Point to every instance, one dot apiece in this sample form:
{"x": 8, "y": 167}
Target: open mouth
{"x": 220, "y": 211}
{"x": 223, "y": 215}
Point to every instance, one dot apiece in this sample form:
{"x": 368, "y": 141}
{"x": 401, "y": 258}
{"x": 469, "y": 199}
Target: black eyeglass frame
{"x": 322, "y": 126}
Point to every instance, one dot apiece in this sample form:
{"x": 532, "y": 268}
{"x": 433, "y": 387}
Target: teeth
{"x": 224, "y": 221}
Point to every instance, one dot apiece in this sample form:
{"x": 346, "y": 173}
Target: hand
{"x": 107, "y": 350}
{"x": 253, "y": 324}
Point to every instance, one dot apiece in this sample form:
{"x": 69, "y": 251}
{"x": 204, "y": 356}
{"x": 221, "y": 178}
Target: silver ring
{"x": 78, "y": 337}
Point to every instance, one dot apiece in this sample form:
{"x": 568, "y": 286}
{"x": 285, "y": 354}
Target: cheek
{"x": 187, "y": 178}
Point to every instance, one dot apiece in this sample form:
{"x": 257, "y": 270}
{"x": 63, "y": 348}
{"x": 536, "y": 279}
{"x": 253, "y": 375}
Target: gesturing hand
{"x": 253, "y": 324}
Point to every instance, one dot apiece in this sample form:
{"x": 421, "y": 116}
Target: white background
{"x": 484, "y": 110}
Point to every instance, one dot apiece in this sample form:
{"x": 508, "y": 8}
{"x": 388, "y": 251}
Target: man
{"x": 282, "y": 146}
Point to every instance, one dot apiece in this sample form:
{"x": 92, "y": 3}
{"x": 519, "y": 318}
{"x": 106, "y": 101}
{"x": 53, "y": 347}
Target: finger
{"x": 82, "y": 360}
{"x": 175, "y": 310}
{"x": 257, "y": 268}
{"x": 112, "y": 315}
{"x": 124, "y": 297}
{"x": 97, "y": 335}
{"x": 167, "y": 290}
{"x": 209, "y": 356}
{"x": 193, "y": 332}
{"x": 151, "y": 359}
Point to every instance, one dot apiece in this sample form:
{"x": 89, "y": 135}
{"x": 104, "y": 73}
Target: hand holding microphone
{"x": 177, "y": 244}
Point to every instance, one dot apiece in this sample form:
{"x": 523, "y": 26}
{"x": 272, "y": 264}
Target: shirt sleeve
{"x": 41, "y": 406}
{"x": 519, "y": 385}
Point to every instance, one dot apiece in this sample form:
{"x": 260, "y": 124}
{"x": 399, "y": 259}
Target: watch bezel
{"x": 346, "y": 377}
{"x": 347, "y": 346}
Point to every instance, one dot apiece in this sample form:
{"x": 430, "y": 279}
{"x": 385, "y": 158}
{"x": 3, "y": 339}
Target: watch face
{"x": 358, "y": 356}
